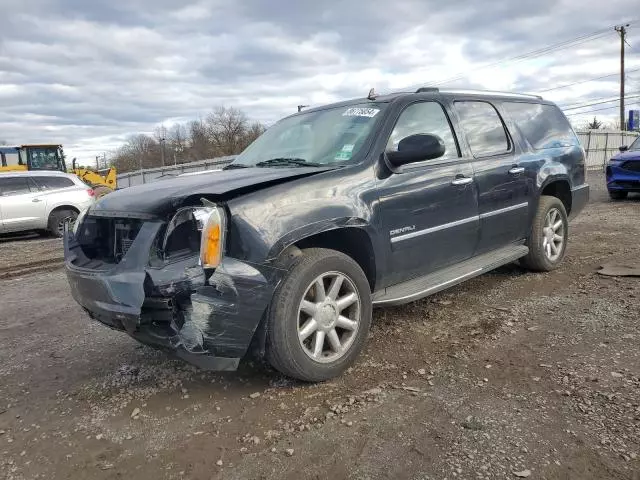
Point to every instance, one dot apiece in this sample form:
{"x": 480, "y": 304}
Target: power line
{"x": 586, "y": 81}
{"x": 611, "y": 107}
{"x": 534, "y": 53}
{"x": 573, "y": 107}
{"x": 591, "y": 111}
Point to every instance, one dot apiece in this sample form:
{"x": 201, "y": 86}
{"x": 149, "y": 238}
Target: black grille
{"x": 631, "y": 166}
{"x": 107, "y": 239}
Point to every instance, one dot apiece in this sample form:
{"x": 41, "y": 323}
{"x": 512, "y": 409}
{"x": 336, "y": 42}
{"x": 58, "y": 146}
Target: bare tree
{"x": 227, "y": 130}
{"x": 255, "y": 130}
{"x": 201, "y": 147}
{"x": 139, "y": 151}
{"x": 160, "y": 135}
{"x": 178, "y": 142}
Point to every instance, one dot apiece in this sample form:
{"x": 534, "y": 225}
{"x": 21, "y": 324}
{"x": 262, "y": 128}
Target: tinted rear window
{"x": 50, "y": 183}
{"x": 544, "y": 126}
{"x": 484, "y": 129}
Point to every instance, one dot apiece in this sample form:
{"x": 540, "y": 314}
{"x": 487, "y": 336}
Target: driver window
{"x": 424, "y": 117}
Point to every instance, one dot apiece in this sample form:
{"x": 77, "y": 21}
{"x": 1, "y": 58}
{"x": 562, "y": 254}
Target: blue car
{"x": 623, "y": 171}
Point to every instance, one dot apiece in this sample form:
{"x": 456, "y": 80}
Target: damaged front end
{"x": 167, "y": 283}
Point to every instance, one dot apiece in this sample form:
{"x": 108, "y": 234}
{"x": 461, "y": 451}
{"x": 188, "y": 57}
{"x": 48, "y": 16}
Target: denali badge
{"x": 402, "y": 230}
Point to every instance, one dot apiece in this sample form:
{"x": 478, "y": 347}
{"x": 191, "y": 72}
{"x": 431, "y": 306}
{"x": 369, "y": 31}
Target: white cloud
{"x": 87, "y": 74}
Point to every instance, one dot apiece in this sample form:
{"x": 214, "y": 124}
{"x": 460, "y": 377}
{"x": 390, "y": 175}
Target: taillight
{"x": 91, "y": 192}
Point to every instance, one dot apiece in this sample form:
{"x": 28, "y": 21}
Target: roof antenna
{"x": 372, "y": 94}
{"x": 300, "y": 107}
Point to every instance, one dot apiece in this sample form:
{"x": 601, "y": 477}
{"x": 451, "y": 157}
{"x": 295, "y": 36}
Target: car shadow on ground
{"x": 23, "y": 236}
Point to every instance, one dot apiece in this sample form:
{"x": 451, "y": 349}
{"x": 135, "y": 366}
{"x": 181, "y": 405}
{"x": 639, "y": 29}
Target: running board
{"x": 434, "y": 282}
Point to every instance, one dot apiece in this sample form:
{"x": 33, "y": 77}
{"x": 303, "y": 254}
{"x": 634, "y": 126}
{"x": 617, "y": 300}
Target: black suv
{"x": 376, "y": 201}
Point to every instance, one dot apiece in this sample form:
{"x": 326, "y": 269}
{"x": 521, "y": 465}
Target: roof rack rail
{"x": 490, "y": 92}
{"x": 428, "y": 90}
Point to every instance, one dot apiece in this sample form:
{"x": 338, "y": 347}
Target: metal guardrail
{"x": 152, "y": 174}
{"x": 600, "y": 146}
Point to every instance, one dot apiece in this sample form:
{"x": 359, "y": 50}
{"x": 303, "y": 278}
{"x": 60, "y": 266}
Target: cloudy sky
{"x": 87, "y": 73}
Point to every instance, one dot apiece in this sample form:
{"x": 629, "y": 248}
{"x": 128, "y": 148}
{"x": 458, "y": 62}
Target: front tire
{"x": 319, "y": 317}
{"x": 618, "y": 194}
{"x": 549, "y": 234}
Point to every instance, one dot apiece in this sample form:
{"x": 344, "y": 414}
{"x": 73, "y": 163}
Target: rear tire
{"x": 549, "y": 234}
{"x": 55, "y": 226}
{"x": 315, "y": 332}
{"x": 618, "y": 194}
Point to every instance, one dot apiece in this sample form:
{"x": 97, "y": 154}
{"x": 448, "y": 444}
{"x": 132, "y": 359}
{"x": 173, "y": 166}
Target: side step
{"x": 434, "y": 282}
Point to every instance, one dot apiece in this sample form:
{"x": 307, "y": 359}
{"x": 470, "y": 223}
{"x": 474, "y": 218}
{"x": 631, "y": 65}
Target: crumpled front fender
{"x": 206, "y": 318}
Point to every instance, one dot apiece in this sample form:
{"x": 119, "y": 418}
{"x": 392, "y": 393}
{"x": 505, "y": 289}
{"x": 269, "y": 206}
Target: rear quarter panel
{"x": 551, "y": 163}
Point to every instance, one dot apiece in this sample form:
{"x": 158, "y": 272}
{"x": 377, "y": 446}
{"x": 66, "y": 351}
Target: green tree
{"x": 595, "y": 124}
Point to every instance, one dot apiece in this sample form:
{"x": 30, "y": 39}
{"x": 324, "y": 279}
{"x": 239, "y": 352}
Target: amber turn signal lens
{"x": 212, "y": 243}
{"x": 211, "y": 253}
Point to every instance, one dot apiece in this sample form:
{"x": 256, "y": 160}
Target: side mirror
{"x": 623, "y": 148}
{"x": 417, "y": 148}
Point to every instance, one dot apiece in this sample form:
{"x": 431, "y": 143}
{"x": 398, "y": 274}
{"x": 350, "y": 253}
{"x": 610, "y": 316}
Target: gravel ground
{"x": 27, "y": 253}
{"x": 510, "y": 375}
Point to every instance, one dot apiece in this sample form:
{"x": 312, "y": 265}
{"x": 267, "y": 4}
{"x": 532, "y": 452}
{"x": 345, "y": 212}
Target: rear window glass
{"x": 49, "y": 183}
{"x": 484, "y": 129}
{"x": 544, "y": 126}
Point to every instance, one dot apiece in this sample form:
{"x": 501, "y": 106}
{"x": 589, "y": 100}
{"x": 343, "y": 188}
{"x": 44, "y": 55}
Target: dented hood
{"x": 162, "y": 196}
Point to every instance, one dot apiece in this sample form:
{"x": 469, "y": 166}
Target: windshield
{"x": 635, "y": 145}
{"x": 326, "y": 137}
{"x": 43, "y": 158}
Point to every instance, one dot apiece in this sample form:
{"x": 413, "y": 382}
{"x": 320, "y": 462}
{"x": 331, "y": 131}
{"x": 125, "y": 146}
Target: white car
{"x": 41, "y": 200}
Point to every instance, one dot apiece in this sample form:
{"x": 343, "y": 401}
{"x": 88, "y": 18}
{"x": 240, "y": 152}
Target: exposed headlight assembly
{"x": 78, "y": 222}
{"x": 210, "y": 222}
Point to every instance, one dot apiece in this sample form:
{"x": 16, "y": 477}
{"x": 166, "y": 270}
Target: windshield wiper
{"x": 232, "y": 166}
{"x": 287, "y": 162}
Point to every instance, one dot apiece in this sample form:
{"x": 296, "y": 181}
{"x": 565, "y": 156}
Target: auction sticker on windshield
{"x": 361, "y": 112}
{"x": 345, "y": 153}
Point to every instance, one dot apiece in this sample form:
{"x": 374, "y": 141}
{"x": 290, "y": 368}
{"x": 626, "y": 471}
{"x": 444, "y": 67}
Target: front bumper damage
{"x": 207, "y": 319}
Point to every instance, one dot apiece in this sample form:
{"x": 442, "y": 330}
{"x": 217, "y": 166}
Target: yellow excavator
{"x": 51, "y": 157}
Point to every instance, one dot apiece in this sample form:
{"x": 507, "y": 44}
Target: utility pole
{"x": 162, "y": 150}
{"x": 622, "y": 30}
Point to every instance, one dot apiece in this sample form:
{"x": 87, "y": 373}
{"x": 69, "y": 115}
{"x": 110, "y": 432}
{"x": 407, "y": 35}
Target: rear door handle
{"x": 461, "y": 181}
{"x": 35, "y": 200}
{"x": 516, "y": 170}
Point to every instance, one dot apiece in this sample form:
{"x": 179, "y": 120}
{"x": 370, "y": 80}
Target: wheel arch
{"x": 353, "y": 241}
{"x": 560, "y": 188}
{"x": 58, "y": 208}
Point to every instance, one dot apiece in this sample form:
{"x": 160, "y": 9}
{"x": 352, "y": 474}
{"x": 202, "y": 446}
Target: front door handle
{"x": 461, "y": 181}
{"x": 516, "y": 170}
